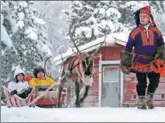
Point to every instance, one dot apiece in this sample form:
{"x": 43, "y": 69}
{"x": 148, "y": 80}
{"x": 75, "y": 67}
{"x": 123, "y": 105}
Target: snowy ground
{"x": 27, "y": 114}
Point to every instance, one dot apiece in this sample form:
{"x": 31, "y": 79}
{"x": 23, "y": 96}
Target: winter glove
{"x": 13, "y": 92}
{"x": 160, "y": 54}
{"x": 22, "y": 91}
{"x": 29, "y": 90}
{"x": 125, "y": 69}
{"x": 25, "y": 93}
{"x": 126, "y": 61}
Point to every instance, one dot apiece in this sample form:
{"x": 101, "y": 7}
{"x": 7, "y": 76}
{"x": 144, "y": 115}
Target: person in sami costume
{"x": 146, "y": 39}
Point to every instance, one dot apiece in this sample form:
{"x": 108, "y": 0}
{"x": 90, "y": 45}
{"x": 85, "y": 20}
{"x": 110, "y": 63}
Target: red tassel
{"x": 161, "y": 68}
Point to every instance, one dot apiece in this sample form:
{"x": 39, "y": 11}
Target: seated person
{"x": 19, "y": 86}
{"x": 40, "y": 79}
{"x": 41, "y": 83}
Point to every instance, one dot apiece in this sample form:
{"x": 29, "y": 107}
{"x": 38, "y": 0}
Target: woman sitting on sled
{"x": 19, "y": 86}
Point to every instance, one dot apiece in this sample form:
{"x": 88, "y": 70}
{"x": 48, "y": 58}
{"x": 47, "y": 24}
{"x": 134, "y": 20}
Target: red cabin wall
{"x": 130, "y": 91}
{"x": 129, "y": 82}
{"x": 108, "y": 53}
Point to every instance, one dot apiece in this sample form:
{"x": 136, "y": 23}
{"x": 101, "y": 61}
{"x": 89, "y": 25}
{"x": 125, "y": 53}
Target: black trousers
{"x": 25, "y": 93}
{"x": 142, "y": 83}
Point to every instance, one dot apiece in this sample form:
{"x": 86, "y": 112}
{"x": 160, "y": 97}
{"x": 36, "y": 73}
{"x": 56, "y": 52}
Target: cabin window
{"x": 110, "y": 75}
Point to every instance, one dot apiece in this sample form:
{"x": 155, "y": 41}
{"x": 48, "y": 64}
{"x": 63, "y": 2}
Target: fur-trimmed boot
{"x": 141, "y": 104}
{"x": 150, "y": 101}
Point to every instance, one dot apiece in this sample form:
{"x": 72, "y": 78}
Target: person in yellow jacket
{"x": 40, "y": 79}
{"x": 41, "y": 83}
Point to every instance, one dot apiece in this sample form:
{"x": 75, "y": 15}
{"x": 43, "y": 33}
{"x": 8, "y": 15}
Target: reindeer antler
{"x": 74, "y": 51}
{"x": 62, "y": 59}
{"x": 45, "y": 64}
{"x": 104, "y": 32}
{"x": 73, "y": 39}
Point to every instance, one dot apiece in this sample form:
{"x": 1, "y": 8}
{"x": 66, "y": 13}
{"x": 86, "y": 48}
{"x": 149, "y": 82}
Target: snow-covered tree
{"x": 28, "y": 36}
{"x": 89, "y": 20}
{"x": 158, "y": 8}
{"x": 8, "y": 52}
{"x": 6, "y": 24}
{"x": 127, "y": 8}
{"x": 30, "y": 39}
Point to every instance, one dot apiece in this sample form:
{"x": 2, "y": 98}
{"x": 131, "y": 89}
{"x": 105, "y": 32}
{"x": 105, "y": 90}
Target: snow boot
{"x": 141, "y": 104}
{"x": 150, "y": 101}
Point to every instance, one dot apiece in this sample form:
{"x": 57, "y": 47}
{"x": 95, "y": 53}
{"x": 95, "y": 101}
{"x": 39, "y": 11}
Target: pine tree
{"x": 158, "y": 8}
{"x": 90, "y": 20}
{"x": 8, "y": 52}
{"x": 30, "y": 40}
{"x": 128, "y": 8}
{"x": 28, "y": 36}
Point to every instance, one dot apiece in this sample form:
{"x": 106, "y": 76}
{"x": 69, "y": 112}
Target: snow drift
{"x": 26, "y": 114}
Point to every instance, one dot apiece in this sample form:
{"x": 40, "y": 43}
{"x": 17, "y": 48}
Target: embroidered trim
{"x": 145, "y": 41}
{"x": 151, "y": 37}
{"x": 154, "y": 29}
{"x": 135, "y": 32}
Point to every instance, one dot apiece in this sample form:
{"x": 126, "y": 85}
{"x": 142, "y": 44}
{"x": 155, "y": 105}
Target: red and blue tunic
{"x": 145, "y": 43}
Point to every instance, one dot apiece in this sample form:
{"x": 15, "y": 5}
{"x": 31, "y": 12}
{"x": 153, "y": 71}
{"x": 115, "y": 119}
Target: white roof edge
{"x": 92, "y": 45}
{"x": 120, "y": 42}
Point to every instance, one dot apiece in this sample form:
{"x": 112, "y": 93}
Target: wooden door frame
{"x": 101, "y": 63}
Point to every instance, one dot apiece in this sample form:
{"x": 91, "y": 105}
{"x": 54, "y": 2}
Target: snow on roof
{"x": 111, "y": 39}
{"x": 118, "y": 38}
{"x": 121, "y": 38}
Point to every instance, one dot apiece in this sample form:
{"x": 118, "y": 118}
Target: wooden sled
{"x": 15, "y": 100}
{"x": 52, "y": 102}
{"x": 41, "y": 102}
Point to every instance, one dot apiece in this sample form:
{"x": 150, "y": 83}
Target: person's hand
{"x": 13, "y": 92}
{"x": 125, "y": 70}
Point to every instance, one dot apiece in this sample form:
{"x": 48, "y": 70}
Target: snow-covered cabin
{"x": 112, "y": 88}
